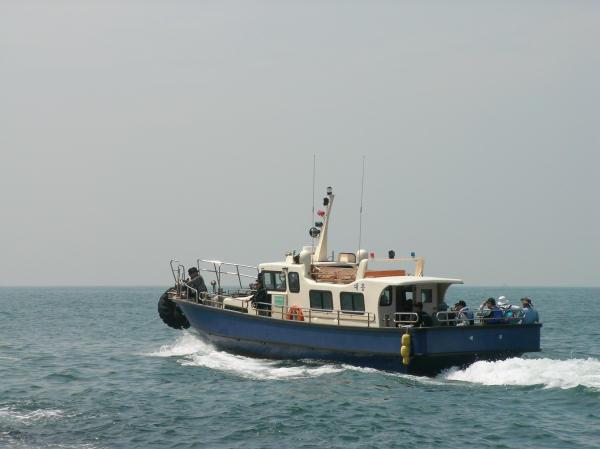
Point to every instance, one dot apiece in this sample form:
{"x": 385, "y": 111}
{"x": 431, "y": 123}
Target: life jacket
{"x": 496, "y": 316}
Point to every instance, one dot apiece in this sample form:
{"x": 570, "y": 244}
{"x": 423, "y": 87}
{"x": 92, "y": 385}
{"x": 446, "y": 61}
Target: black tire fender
{"x": 171, "y": 313}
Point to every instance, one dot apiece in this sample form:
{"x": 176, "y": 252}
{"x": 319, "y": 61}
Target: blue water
{"x": 95, "y": 368}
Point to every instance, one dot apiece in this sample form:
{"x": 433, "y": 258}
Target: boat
{"x": 351, "y": 308}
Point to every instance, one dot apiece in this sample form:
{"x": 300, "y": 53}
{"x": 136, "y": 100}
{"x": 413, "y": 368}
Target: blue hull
{"x": 432, "y": 349}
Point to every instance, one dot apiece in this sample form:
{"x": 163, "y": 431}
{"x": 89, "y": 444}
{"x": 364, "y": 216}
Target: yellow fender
{"x": 406, "y": 340}
{"x": 405, "y": 349}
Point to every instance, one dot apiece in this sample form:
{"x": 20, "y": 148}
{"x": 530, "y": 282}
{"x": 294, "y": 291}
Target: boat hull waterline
{"x": 433, "y": 349}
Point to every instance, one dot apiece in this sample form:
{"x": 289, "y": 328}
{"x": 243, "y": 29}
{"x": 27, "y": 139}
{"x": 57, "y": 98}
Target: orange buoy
{"x": 295, "y": 313}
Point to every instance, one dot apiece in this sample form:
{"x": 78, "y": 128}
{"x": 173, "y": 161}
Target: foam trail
{"x": 517, "y": 371}
{"x": 405, "y": 377}
{"x": 198, "y": 353}
{"x": 35, "y": 415}
{"x": 185, "y": 344}
{"x": 259, "y": 369}
{"x": 201, "y": 354}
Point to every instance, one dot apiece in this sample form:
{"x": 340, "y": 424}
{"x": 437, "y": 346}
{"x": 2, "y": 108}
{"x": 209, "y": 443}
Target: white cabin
{"x": 352, "y": 290}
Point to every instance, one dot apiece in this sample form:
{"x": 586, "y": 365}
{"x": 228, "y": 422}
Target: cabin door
{"x": 404, "y": 298}
{"x": 386, "y": 308}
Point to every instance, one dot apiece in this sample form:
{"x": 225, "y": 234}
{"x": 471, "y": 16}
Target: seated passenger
{"x": 423, "y": 320}
{"x": 196, "y": 282}
{"x": 529, "y": 314}
{"x": 509, "y": 311}
{"x": 464, "y": 315}
{"x": 492, "y": 314}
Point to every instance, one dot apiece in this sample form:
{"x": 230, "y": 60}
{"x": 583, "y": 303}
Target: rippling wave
{"x": 35, "y": 415}
{"x": 106, "y": 380}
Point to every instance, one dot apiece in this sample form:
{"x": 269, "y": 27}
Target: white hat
{"x": 502, "y": 301}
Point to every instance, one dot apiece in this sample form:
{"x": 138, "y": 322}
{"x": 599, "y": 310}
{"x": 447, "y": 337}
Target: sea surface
{"x": 96, "y": 368}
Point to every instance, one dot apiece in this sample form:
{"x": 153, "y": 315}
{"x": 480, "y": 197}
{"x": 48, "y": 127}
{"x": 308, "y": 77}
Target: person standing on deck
{"x": 196, "y": 282}
{"x": 261, "y": 299}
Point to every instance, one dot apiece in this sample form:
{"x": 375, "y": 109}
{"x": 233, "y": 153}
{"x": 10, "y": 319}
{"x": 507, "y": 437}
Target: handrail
{"x": 217, "y": 270}
{"x": 413, "y": 318}
{"x": 216, "y": 300}
{"x": 195, "y": 291}
{"x": 180, "y": 270}
{"x": 478, "y": 318}
{"x": 307, "y": 312}
{"x": 173, "y": 269}
{"x": 503, "y": 320}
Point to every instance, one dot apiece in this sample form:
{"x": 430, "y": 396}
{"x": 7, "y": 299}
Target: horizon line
{"x": 162, "y": 285}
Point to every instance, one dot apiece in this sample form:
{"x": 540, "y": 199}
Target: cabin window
{"x": 274, "y": 280}
{"x": 426, "y": 295}
{"x": 352, "y": 302}
{"x": 386, "y": 297}
{"x": 321, "y": 299}
{"x": 294, "y": 281}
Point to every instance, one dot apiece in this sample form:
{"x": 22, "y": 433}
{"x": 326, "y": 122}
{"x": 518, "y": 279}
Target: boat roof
{"x": 411, "y": 280}
{"x": 382, "y": 280}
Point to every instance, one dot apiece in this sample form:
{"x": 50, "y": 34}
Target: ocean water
{"x": 96, "y": 368}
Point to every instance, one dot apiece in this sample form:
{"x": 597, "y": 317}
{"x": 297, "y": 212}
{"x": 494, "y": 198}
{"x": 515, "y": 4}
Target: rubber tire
{"x": 170, "y": 312}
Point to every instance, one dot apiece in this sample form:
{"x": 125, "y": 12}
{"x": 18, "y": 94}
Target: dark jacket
{"x": 198, "y": 284}
{"x": 261, "y": 296}
{"x": 424, "y": 320}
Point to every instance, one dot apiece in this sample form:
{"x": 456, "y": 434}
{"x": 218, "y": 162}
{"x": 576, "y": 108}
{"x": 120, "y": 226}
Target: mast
{"x": 362, "y": 190}
{"x": 313, "y": 195}
{"x": 321, "y": 251}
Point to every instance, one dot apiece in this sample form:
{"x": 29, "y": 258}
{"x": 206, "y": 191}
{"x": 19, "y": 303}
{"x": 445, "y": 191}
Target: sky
{"x": 135, "y": 132}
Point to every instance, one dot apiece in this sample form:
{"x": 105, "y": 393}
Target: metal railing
{"x": 452, "y": 318}
{"x": 178, "y": 273}
{"x": 220, "y": 268}
{"x": 308, "y": 314}
{"x": 406, "y": 318}
{"x": 270, "y": 310}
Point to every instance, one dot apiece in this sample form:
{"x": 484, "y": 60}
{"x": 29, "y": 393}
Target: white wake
{"x": 185, "y": 344}
{"x": 192, "y": 351}
{"x": 548, "y": 373}
{"x": 195, "y": 352}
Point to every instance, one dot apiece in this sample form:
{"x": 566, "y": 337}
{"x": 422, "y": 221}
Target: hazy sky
{"x": 135, "y": 132}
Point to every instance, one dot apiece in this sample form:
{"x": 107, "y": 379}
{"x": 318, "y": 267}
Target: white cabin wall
{"x": 371, "y": 288}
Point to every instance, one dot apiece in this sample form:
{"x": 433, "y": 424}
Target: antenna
{"x": 312, "y": 218}
{"x": 362, "y": 189}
